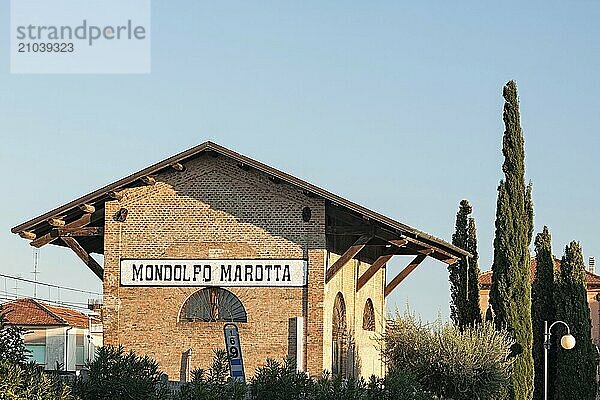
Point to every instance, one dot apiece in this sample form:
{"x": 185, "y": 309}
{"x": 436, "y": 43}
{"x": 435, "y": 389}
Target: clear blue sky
{"x": 394, "y": 106}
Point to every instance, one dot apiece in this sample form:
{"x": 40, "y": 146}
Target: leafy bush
{"x": 115, "y": 374}
{"x": 399, "y": 384}
{"x": 12, "y": 346}
{"x": 212, "y": 384}
{"x": 472, "y": 364}
{"x": 28, "y": 381}
{"x": 281, "y": 381}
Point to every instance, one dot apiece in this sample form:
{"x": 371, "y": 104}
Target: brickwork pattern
{"x": 214, "y": 209}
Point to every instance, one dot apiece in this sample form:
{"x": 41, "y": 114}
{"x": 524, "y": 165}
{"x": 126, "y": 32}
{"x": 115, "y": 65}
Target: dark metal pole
{"x": 546, "y": 346}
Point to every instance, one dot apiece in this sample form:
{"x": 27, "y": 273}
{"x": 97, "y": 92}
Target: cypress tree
{"x": 575, "y": 368}
{"x": 510, "y": 294}
{"x": 464, "y": 275}
{"x": 542, "y": 309}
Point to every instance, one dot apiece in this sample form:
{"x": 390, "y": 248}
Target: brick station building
{"x": 209, "y": 236}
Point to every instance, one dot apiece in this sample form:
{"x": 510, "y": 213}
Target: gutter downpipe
{"x": 67, "y": 348}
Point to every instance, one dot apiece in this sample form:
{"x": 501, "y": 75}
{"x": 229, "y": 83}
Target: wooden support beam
{"x": 437, "y": 253}
{"x": 386, "y": 234}
{"x": 148, "y": 180}
{"x": 398, "y": 242}
{"x": 115, "y": 196}
{"x": 379, "y": 262}
{"x": 347, "y": 256}
{"x": 47, "y": 238}
{"x": 348, "y": 230}
{"x": 56, "y": 222}
{"x": 87, "y": 208}
{"x": 76, "y": 232}
{"x": 27, "y": 235}
{"x": 404, "y": 273}
{"x": 368, "y": 274}
{"x": 85, "y": 257}
{"x": 178, "y": 167}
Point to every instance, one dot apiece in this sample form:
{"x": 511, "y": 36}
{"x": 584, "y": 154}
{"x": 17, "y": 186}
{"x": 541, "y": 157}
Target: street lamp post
{"x": 567, "y": 342}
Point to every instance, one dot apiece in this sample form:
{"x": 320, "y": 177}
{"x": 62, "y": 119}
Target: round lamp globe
{"x": 567, "y": 342}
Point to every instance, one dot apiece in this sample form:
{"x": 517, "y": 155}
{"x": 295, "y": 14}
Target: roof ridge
{"x": 45, "y": 308}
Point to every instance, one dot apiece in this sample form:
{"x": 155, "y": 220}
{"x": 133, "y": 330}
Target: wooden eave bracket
{"x": 178, "y": 167}
{"x": 378, "y": 263}
{"x": 435, "y": 252}
{"x": 87, "y": 208}
{"x": 372, "y": 270}
{"x": 349, "y": 254}
{"x": 77, "y": 232}
{"x": 27, "y": 235}
{"x": 404, "y": 273}
{"x": 148, "y": 180}
{"x": 49, "y": 237}
{"x": 115, "y": 195}
{"x": 84, "y": 255}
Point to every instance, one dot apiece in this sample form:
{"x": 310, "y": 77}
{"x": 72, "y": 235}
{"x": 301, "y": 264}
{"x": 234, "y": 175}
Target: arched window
{"x": 213, "y": 304}
{"x": 338, "y": 336}
{"x": 369, "y": 316}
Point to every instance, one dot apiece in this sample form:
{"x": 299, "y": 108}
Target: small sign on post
{"x": 234, "y": 352}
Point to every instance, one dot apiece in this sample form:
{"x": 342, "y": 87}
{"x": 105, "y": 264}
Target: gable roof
{"x": 592, "y": 280}
{"x": 31, "y": 312}
{"x": 72, "y": 211}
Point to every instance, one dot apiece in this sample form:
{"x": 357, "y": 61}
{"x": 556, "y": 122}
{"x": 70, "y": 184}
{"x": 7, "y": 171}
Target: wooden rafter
{"x": 56, "y": 222}
{"x": 48, "y": 237}
{"x": 27, "y": 235}
{"x": 404, "y": 273}
{"x": 87, "y": 208}
{"x": 352, "y": 224}
{"x": 85, "y": 256}
{"x": 75, "y": 232}
{"x": 178, "y": 167}
{"x": 398, "y": 242}
{"x": 348, "y": 230}
{"x": 148, "y": 180}
{"x": 435, "y": 252}
{"x": 115, "y": 195}
{"x": 347, "y": 256}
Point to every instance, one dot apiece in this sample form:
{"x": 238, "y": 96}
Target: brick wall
{"x": 214, "y": 209}
{"x": 365, "y": 359}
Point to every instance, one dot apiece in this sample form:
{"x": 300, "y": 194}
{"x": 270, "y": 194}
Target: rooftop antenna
{"x": 36, "y": 258}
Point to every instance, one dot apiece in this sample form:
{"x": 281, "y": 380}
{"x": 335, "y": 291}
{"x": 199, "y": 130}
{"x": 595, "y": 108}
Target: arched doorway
{"x": 338, "y": 336}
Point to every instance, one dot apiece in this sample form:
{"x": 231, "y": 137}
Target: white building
{"x": 57, "y": 337}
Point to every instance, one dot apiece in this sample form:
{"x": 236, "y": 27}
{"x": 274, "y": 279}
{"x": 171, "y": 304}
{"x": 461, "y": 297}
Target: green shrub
{"x": 213, "y": 384}
{"x": 12, "y": 346}
{"x": 115, "y": 374}
{"x": 29, "y": 381}
{"x": 279, "y": 381}
{"x": 399, "y": 384}
{"x": 472, "y": 364}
